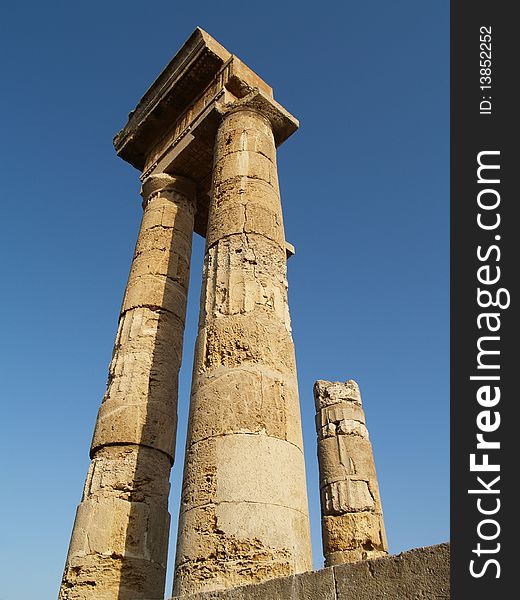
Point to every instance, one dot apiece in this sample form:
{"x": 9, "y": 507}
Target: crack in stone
{"x": 371, "y": 570}
{"x": 259, "y": 433}
{"x": 335, "y": 581}
{"x": 230, "y": 152}
{"x": 152, "y": 307}
{"x": 222, "y": 502}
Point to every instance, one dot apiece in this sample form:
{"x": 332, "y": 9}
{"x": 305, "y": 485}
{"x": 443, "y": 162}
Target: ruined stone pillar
{"x": 352, "y": 517}
{"x": 243, "y": 515}
{"x": 119, "y": 542}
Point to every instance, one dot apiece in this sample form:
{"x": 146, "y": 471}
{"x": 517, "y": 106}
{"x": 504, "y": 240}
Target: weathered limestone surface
{"x": 422, "y": 573}
{"x": 119, "y": 542}
{"x": 352, "y": 517}
{"x": 243, "y": 515}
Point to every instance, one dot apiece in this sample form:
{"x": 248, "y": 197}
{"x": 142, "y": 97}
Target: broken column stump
{"x": 352, "y": 517}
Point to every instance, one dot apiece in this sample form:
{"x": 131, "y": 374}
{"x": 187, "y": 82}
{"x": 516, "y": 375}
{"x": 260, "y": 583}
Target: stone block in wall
{"x": 419, "y": 574}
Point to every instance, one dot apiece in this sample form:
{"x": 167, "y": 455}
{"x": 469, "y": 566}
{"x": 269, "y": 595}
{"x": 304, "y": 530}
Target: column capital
{"x": 282, "y": 122}
{"x": 164, "y": 184}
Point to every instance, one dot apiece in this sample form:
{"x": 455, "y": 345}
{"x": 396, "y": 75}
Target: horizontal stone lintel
{"x": 189, "y": 82}
{"x": 185, "y": 76}
{"x": 173, "y": 127}
{"x": 421, "y": 572}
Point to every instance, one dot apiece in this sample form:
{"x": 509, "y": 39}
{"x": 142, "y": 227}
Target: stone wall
{"x": 419, "y": 574}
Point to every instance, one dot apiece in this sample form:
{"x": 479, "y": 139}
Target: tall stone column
{"x": 352, "y": 517}
{"x": 119, "y": 542}
{"x": 243, "y": 515}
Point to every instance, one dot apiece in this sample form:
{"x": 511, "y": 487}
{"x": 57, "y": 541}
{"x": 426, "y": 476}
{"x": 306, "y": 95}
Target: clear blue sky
{"x": 365, "y": 194}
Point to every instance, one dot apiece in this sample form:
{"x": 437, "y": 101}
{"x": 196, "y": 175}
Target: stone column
{"x": 243, "y": 515}
{"x": 352, "y": 517}
{"x": 119, "y": 542}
